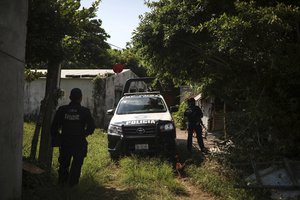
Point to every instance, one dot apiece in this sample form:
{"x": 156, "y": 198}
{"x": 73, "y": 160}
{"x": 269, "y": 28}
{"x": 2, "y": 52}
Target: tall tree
{"x": 166, "y": 40}
{"x": 244, "y": 52}
{"x": 60, "y": 31}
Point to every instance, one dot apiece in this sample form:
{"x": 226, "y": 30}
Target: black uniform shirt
{"x": 74, "y": 122}
{"x": 193, "y": 114}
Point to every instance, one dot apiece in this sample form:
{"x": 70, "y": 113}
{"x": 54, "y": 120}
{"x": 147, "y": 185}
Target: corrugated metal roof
{"x": 82, "y": 73}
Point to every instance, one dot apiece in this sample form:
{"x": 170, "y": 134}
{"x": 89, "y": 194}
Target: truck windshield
{"x": 141, "y": 104}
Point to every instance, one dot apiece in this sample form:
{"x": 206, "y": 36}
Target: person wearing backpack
{"x": 193, "y": 115}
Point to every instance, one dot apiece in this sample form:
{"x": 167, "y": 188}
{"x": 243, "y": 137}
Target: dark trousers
{"x": 198, "y": 130}
{"x": 73, "y": 157}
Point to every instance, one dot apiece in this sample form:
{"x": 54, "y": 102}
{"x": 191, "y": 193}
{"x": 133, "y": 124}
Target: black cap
{"x": 76, "y": 94}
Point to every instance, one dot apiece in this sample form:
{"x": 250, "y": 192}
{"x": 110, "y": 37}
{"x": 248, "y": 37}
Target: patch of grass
{"x": 97, "y": 170}
{"x": 132, "y": 178}
{"x": 101, "y": 178}
{"x": 27, "y": 137}
{"x": 97, "y": 164}
{"x": 151, "y": 177}
{"x": 215, "y": 179}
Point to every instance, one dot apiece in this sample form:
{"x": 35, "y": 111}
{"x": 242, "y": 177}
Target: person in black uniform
{"x": 72, "y": 123}
{"x": 193, "y": 114}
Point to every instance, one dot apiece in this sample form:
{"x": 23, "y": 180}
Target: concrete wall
{"x": 13, "y": 16}
{"x": 114, "y": 85}
{"x": 86, "y": 86}
{"x": 35, "y": 91}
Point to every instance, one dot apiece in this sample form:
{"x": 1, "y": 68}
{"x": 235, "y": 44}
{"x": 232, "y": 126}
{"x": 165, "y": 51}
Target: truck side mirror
{"x": 110, "y": 111}
{"x": 173, "y": 108}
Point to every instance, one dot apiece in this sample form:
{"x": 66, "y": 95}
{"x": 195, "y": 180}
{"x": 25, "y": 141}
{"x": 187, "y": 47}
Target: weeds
{"x": 218, "y": 180}
{"x": 132, "y": 178}
{"x": 150, "y": 175}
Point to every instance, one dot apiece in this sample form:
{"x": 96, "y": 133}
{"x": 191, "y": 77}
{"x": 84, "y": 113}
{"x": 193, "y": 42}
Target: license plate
{"x": 141, "y": 147}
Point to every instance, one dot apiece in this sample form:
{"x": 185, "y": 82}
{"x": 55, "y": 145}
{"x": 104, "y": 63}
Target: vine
{"x": 32, "y": 75}
{"x": 99, "y": 84}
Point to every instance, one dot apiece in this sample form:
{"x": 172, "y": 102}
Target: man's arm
{"x": 198, "y": 112}
{"x": 198, "y": 115}
{"x": 201, "y": 123}
{"x": 188, "y": 111}
{"x": 90, "y": 124}
{"x": 55, "y": 128}
{"x": 56, "y": 123}
{"x": 185, "y": 113}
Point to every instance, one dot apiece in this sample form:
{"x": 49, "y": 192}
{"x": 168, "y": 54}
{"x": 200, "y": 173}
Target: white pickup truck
{"x": 141, "y": 124}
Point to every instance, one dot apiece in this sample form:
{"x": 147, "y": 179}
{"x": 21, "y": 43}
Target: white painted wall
{"x": 206, "y": 107}
{"x": 35, "y": 91}
{"x": 86, "y": 86}
{"x": 114, "y": 83}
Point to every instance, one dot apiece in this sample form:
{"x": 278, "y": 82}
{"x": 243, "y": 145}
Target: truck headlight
{"x": 166, "y": 127}
{"x": 115, "y": 130}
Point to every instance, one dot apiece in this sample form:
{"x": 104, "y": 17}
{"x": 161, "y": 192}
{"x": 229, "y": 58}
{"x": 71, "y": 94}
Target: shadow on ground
{"x": 196, "y": 157}
{"x": 88, "y": 189}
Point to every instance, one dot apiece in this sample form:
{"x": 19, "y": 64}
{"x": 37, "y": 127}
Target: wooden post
{"x": 36, "y": 134}
{"x": 225, "y": 132}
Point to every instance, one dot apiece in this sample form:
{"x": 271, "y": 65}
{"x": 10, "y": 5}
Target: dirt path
{"x": 181, "y": 136}
{"x": 194, "y": 192}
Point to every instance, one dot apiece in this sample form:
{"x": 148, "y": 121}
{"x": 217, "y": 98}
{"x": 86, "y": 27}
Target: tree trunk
{"x": 50, "y": 103}
{"x": 38, "y": 125}
{"x": 225, "y": 131}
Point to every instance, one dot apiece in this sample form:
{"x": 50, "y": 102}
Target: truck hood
{"x": 144, "y": 118}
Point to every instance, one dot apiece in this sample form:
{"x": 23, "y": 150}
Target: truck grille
{"x": 139, "y": 130}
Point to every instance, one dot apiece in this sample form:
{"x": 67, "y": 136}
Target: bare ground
{"x": 194, "y": 192}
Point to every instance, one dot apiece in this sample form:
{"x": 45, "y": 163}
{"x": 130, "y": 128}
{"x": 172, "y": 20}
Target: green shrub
{"x": 178, "y": 116}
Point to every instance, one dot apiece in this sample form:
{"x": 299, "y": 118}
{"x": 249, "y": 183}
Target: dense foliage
{"x": 244, "y": 52}
{"x": 128, "y": 58}
{"x": 62, "y": 31}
